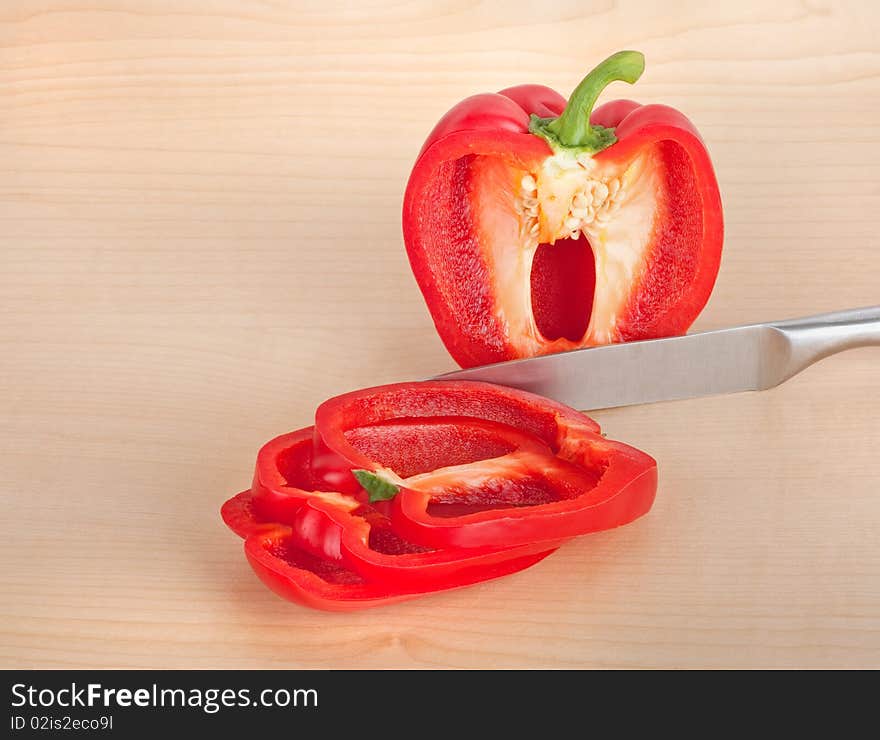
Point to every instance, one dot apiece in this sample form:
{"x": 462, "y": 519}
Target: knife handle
{"x": 815, "y": 337}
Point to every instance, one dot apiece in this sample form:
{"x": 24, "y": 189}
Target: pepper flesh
{"x": 525, "y": 245}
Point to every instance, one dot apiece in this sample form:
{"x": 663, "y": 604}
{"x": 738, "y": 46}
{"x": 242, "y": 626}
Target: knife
{"x": 743, "y": 358}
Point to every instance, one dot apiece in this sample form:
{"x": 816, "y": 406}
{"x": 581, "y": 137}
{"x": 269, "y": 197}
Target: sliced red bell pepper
{"x": 412, "y": 488}
{"x": 534, "y": 225}
{"x": 558, "y": 478}
{"x": 346, "y": 425}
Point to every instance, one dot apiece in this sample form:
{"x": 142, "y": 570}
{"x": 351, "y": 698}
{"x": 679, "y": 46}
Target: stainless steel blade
{"x": 744, "y": 358}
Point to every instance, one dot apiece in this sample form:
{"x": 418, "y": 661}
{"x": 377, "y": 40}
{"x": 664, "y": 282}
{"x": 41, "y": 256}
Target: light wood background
{"x": 200, "y": 239}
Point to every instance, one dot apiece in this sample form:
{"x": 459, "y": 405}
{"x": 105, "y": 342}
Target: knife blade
{"x": 745, "y": 358}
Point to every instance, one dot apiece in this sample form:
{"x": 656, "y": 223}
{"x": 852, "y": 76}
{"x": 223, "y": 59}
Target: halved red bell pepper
{"x": 558, "y": 478}
{"x": 534, "y": 225}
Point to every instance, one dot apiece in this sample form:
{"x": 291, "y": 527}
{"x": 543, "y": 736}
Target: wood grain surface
{"x": 200, "y": 239}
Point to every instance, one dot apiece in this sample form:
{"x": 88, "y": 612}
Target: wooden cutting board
{"x": 200, "y": 241}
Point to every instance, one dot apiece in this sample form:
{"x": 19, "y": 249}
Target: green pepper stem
{"x": 573, "y": 130}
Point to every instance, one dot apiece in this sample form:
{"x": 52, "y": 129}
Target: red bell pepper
{"x": 535, "y": 226}
{"x": 412, "y": 488}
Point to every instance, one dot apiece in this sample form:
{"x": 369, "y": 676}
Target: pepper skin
{"x": 535, "y": 226}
